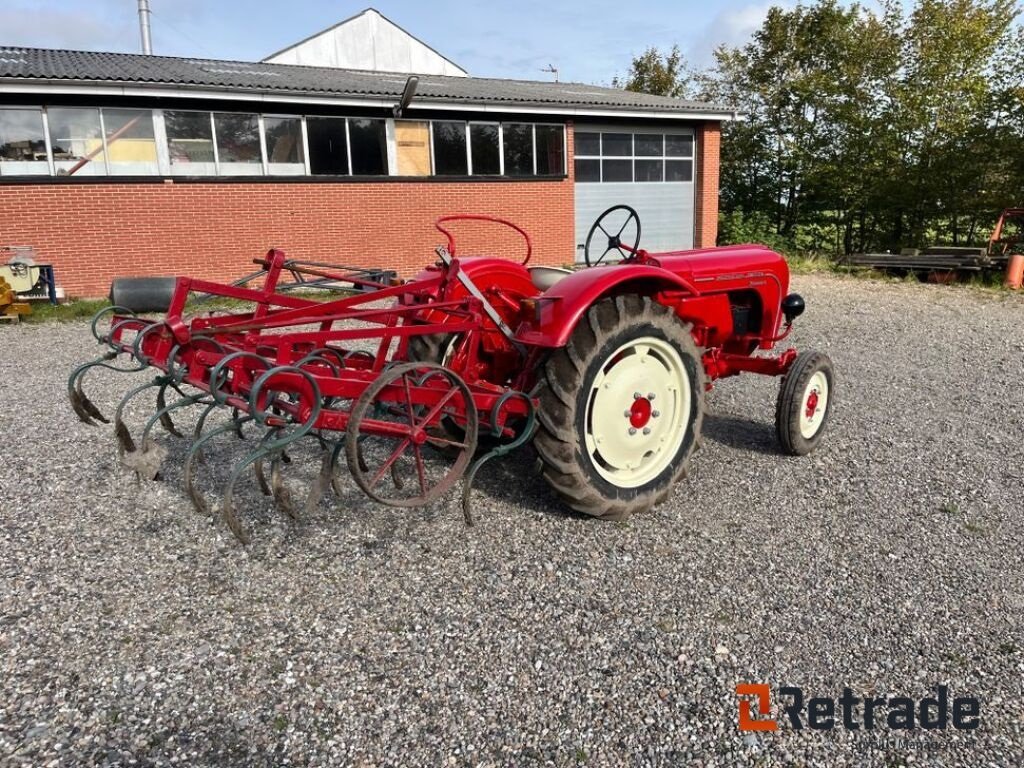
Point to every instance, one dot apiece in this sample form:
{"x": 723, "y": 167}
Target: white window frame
{"x": 156, "y": 139}
{"x": 633, "y": 156}
{"x": 51, "y": 163}
{"x": 264, "y": 148}
{"x": 163, "y": 152}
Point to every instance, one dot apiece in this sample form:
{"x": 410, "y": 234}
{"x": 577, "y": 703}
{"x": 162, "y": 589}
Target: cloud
{"x": 54, "y": 27}
{"x": 731, "y": 27}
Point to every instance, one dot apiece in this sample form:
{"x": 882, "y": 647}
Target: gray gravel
{"x": 133, "y": 631}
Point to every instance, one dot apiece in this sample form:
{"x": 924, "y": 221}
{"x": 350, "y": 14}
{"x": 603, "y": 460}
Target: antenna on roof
{"x": 552, "y": 69}
{"x": 144, "y": 31}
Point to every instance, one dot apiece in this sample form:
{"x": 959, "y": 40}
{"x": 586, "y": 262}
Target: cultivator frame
{"x": 284, "y": 366}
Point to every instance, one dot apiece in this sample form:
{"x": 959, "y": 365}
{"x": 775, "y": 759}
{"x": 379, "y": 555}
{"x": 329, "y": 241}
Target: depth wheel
{"x": 621, "y": 406}
{"x": 805, "y": 403}
{"x": 394, "y": 448}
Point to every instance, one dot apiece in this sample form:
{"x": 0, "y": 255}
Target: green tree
{"x": 871, "y": 128}
{"x": 657, "y": 73}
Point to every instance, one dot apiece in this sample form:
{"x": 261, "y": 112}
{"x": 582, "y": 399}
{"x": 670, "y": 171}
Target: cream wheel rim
{"x": 813, "y": 405}
{"x": 638, "y": 409}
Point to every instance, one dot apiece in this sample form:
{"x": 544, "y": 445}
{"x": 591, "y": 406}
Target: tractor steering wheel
{"x": 614, "y": 242}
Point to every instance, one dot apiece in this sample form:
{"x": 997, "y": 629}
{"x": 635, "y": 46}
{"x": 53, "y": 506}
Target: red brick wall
{"x": 705, "y": 223}
{"x": 92, "y": 233}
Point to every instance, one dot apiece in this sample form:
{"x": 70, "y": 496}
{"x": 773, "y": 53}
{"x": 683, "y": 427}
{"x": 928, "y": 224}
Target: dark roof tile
{"x": 136, "y": 69}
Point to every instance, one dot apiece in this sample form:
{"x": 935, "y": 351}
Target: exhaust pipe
{"x": 144, "y": 30}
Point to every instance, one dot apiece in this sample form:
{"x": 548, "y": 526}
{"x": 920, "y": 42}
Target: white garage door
{"x": 649, "y": 169}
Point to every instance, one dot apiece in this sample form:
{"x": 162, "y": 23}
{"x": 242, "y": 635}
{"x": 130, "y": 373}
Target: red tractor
{"x": 604, "y": 368}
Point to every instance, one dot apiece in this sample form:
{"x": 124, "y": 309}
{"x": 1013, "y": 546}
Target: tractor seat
{"x": 545, "y": 277}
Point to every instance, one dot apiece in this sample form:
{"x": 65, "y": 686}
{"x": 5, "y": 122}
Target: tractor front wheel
{"x": 805, "y": 403}
{"x": 621, "y": 407}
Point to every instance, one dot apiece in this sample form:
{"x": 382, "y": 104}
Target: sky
{"x": 589, "y": 42}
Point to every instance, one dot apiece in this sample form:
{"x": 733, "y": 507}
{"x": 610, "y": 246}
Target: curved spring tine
{"x": 163, "y": 413}
{"x": 111, "y": 310}
{"x": 125, "y": 443}
{"x": 227, "y": 509}
{"x": 320, "y": 485}
{"x": 80, "y": 403}
{"x": 194, "y": 452}
{"x": 499, "y": 450}
{"x": 261, "y": 414}
{"x": 282, "y": 495}
{"x": 261, "y": 477}
{"x": 335, "y": 484}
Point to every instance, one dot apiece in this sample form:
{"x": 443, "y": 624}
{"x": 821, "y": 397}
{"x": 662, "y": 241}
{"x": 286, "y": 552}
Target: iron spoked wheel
{"x": 621, "y": 407}
{"x": 608, "y": 223}
{"x": 805, "y": 403}
{"x": 395, "y": 448}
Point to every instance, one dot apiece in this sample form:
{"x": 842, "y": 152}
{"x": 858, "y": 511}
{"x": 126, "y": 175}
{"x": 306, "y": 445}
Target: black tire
{"x": 793, "y": 402}
{"x": 565, "y": 391}
{"x": 429, "y": 348}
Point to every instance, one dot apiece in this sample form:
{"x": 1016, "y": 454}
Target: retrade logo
{"x": 763, "y": 695}
{"x": 854, "y": 712}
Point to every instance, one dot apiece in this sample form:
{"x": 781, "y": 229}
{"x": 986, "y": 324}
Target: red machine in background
{"x": 604, "y": 368}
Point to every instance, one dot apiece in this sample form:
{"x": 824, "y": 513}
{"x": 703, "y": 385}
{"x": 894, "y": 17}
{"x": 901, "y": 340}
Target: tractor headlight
{"x": 793, "y": 306}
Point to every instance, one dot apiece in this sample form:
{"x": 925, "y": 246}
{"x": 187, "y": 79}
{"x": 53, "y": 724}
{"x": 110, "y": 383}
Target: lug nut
{"x": 632, "y": 430}
{"x": 655, "y": 414}
{"x": 650, "y": 395}
{"x": 647, "y": 430}
{"x": 637, "y": 395}
{"x": 627, "y": 414}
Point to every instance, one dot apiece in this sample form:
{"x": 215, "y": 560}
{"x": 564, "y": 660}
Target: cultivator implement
{"x": 336, "y": 372}
{"x": 415, "y": 384}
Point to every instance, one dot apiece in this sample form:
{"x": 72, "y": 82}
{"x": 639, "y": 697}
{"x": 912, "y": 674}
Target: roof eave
{"x": 62, "y": 86}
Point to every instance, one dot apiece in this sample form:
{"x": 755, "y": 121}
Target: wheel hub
{"x": 812, "y": 404}
{"x": 640, "y": 412}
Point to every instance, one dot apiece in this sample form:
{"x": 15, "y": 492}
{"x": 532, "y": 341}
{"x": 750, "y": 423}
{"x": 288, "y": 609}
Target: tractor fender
{"x": 490, "y": 275}
{"x": 562, "y": 306}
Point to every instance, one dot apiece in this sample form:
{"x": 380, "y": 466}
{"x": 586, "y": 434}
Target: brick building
{"x": 121, "y": 164}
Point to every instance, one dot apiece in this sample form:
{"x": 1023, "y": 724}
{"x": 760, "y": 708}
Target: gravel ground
{"x": 133, "y": 631}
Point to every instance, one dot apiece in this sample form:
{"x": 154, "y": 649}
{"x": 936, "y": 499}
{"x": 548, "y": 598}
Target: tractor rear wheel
{"x": 621, "y": 407}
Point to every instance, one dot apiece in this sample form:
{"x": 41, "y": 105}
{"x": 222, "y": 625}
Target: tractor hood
{"x": 725, "y": 264}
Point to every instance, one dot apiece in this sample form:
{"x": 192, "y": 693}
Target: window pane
{"x": 587, "y": 143}
{"x": 648, "y": 145}
{"x": 22, "y": 145}
{"x": 617, "y": 170}
{"x": 483, "y": 143}
{"x": 678, "y": 170}
{"x": 588, "y": 170}
{"x": 238, "y": 143}
{"x": 284, "y": 145}
{"x": 369, "y": 147}
{"x": 617, "y": 144}
{"x": 518, "y": 149}
{"x": 450, "y": 149}
{"x": 412, "y": 143}
{"x": 649, "y": 170}
{"x": 131, "y": 143}
{"x": 190, "y": 143}
{"x": 328, "y": 148}
{"x": 550, "y": 150}
{"x": 76, "y": 141}
{"x": 679, "y": 146}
